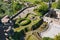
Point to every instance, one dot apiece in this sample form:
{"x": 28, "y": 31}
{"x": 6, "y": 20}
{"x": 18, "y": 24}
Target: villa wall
{"x": 54, "y": 20}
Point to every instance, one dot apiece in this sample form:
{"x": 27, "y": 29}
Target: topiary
{"x": 23, "y": 21}
{"x": 27, "y": 21}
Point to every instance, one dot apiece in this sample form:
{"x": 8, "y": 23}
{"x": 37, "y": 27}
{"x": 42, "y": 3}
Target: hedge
{"x": 24, "y": 23}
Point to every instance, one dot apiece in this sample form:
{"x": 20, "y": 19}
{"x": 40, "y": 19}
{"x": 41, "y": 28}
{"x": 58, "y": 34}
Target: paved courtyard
{"x": 52, "y": 31}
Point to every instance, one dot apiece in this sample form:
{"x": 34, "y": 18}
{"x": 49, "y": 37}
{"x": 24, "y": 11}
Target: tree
{"x": 43, "y": 8}
{"x": 9, "y": 8}
{"x": 54, "y": 5}
{"x": 37, "y": 2}
{"x": 57, "y": 37}
{"x": 18, "y": 6}
{"x": 45, "y": 0}
{"x": 58, "y": 4}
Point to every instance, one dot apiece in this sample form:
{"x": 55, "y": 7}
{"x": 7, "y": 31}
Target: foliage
{"x": 26, "y": 21}
{"x": 45, "y": 0}
{"x": 32, "y": 37}
{"x": 48, "y": 0}
{"x": 58, "y": 4}
{"x": 23, "y": 22}
{"x": 16, "y": 26}
{"x": 10, "y": 8}
{"x": 57, "y": 37}
{"x": 30, "y": 0}
{"x": 47, "y": 38}
{"x": 18, "y": 35}
{"x": 43, "y": 8}
{"x": 16, "y": 6}
{"x": 36, "y": 25}
{"x": 54, "y": 5}
{"x": 37, "y": 2}
{"x": 29, "y": 26}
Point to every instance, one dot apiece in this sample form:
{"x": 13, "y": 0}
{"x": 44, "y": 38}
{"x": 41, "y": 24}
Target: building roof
{"x": 5, "y": 19}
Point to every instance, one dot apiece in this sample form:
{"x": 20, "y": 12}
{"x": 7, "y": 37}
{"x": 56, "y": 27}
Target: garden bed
{"x": 23, "y": 22}
{"x": 29, "y": 25}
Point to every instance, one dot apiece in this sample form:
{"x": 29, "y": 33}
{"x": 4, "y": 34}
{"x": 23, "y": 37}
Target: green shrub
{"x": 37, "y": 2}
{"x": 45, "y": 0}
{"x": 27, "y": 21}
{"x": 54, "y": 5}
{"x": 43, "y": 8}
{"x": 18, "y": 35}
{"x": 16, "y": 26}
{"x": 37, "y": 24}
{"x": 57, "y": 37}
{"x": 58, "y": 4}
{"x": 21, "y": 23}
{"x": 10, "y": 8}
{"x": 47, "y": 38}
{"x": 27, "y": 15}
{"x": 18, "y": 6}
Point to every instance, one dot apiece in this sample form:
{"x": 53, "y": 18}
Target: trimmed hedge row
{"x": 35, "y": 26}
{"x": 21, "y": 23}
{"x": 25, "y": 23}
